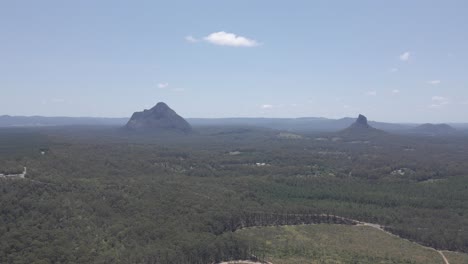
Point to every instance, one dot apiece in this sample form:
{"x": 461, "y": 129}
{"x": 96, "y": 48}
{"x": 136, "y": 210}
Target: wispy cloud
{"x": 223, "y": 38}
{"x": 395, "y": 91}
{"x": 230, "y": 39}
{"x": 434, "y": 82}
{"x": 163, "y": 85}
{"x": 53, "y": 101}
{"x": 266, "y": 106}
{"x": 371, "y": 93}
{"x": 439, "y": 101}
{"x": 393, "y": 69}
{"x": 191, "y": 39}
{"x": 405, "y": 56}
{"x": 166, "y": 87}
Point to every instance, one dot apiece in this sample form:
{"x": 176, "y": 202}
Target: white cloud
{"x": 405, "y": 56}
{"x": 163, "y": 85}
{"x": 439, "y": 98}
{"x": 371, "y": 93}
{"x": 229, "y": 39}
{"x": 266, "y": 106}
{"x": 395, "y": 91}
{"x": 435, "y": 106}
{"x": 434, "y": 82}
{"x": 439, "y": 101}
{"x": 393, "y": 69}
{"x": 191, "y": 39}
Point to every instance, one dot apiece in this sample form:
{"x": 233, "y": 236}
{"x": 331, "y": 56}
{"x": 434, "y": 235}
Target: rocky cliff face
{"x": 361, "y": 123}
{"x": 360, "y": 128}
{"x": 159, "y": 118}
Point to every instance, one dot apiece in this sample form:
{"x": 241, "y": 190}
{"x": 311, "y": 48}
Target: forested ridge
{"x": 100, "y": 196}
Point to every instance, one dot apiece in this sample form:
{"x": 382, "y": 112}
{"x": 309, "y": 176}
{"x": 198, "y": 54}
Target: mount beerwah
{"x": 159, "y": 118}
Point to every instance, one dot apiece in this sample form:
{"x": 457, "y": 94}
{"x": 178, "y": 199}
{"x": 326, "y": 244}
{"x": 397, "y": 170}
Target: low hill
{"x": 434, "y": 129}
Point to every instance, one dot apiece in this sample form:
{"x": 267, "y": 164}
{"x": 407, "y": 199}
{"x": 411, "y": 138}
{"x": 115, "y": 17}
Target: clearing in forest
{"x": 325, "y": 243}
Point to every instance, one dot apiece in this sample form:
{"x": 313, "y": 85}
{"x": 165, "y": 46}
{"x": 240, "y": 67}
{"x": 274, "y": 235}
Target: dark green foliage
{"x": 101, "y": 196}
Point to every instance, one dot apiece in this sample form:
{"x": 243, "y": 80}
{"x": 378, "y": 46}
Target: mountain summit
{"x": 159, "y": 118}
{"x": 361, "y": 122}
{"x": 360, "y": 128}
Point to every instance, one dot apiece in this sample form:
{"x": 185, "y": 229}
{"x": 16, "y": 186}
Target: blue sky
{"x": 404, "y": 61}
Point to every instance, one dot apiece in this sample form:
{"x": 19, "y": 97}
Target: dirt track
{"x": 358, "y": 223}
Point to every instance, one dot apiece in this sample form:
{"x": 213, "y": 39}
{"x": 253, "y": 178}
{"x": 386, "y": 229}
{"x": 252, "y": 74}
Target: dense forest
{"x": 99, "y": 195}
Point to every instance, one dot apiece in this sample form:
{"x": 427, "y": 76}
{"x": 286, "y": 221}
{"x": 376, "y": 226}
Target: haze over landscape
{"x": 398, "y": 61}
{"x": 229, "y": 132}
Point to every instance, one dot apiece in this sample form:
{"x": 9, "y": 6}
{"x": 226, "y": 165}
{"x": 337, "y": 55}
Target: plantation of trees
{"x": 97, "y": 195}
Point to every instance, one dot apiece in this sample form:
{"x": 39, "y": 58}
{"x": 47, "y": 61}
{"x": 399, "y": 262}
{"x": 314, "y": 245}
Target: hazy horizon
{"x": 399, "y": 61}
{"x": 243, "y": 117}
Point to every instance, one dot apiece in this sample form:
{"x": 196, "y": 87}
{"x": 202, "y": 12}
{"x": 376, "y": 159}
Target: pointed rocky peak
{"x": 161, "y": 106}
{"x": 361, "y": 122}
{"x": 159, "y": 118}
{"x": 360, "y": 128}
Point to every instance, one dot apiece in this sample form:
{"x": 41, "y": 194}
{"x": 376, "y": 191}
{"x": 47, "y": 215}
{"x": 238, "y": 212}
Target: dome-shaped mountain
{"x": 159, "y": 118}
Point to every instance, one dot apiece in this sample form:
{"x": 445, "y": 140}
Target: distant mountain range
{"x": 35, "y": 121}
{"x": 434, "y": 129}
{"x": 304, "y": 124}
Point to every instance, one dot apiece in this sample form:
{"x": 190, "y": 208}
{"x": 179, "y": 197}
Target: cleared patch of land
{"x": 242, "y": 262}
{"x": 334, "y": 244}
{"x": 456, "y": 257}
{"x": 287, "y": 135}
